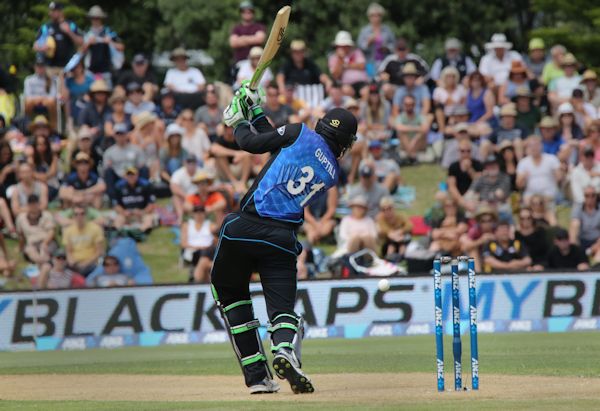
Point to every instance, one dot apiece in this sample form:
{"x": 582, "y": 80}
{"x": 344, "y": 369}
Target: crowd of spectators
{"x": 99, "y": 139}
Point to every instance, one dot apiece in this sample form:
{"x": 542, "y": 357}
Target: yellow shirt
{"x": 83, "y": 243}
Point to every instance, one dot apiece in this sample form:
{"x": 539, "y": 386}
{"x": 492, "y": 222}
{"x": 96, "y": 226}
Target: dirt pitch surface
{"x": 371, "y": 389}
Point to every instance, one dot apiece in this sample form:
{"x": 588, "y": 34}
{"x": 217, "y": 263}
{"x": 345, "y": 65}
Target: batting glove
{"x": 251, "y": 99}
{"x": 235, "y": 113}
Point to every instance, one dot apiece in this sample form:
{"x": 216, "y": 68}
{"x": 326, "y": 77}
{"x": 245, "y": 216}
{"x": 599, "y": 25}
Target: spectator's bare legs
{"x": 360, "y": 242}
{"x": 357, "y": 152}
{"x": 202, "y": 270}
{"x": 43, "y": 277}
{"x": 178, "y": 203}
{"x": 37, "y": 255}
{"x": 318, "y": 230}
{"x": 391, "y": 181}
{"x": 301, "y": 269}
{"x": 6, "y": 216}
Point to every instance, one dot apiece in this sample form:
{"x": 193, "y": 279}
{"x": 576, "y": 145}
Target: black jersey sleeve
{"x": 267, "y": 140}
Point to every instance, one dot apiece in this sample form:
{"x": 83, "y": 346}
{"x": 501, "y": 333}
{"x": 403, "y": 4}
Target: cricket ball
{"x": 384, "y": 285}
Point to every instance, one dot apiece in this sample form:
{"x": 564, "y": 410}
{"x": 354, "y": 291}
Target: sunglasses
{"x": 525, "y": 217}
{"x": 589, "y": 195}
{"x": 60, "y": 257}
{"x": 465, "y": 150}
{"x": 187, "y": 118}
{"x": 79, "y": 214}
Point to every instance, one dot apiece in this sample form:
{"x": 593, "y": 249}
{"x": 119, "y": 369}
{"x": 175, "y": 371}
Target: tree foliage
{"x": 158, "y": 25}
{"x": 573, "y": 23}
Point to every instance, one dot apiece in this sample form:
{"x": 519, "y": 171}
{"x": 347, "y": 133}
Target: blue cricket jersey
{"x": 294, "y": 178}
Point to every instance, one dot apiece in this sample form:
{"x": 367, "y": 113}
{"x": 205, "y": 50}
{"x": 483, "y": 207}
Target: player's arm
{"x": 267, "y": 139}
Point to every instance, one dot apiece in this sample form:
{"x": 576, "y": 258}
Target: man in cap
{"x": 376, "y": 40}
{"x": 248, "y": 67}
{"x": 97, "y": 109}
{"x": 492, "y": 187}
{"x": 246, "y": 34}
{"x": 39, "y": 91}
{"x": 412, "y": 127}
{"x": 65, "y": 38}
{"x": 134, "y": 202}
{"x": 586, "y": 173}
{"x": 551, "y": 138}
{"x": 505, "y": 253}
{"x": 135, "y": 103}
{"x": 301, "y": 71}
{"x": 85, "y": 145}
{"x": 566, "y": 256}
{"x": 454, "y": 57}
{"x": 507, "y": 130}
{"x": 121, "y": 156}
{"x": 262, "y": 236}
{"x": 390, "y": 69}
{"x": 561, "y": 88}
{"x": 101, "y": 42}
{"x": 528, "y": 115}
{"x": 410, "y": 86}
{"x": 386, "y": 169}
{"x": 495, "y": 64}
{"x": 536, "y": 59}
{"x": 368, "y": 187}
{"x": 142, "y": 74}
{"x": 82, "y": 186}
{"x": 168, "y": 110}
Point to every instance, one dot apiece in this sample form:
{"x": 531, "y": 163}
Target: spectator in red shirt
{"x": 247, "y": 33}
{"x": 212, "y": 200}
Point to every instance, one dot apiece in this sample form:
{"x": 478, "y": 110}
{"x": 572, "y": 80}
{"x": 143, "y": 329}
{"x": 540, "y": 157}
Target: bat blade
{"x": 272, "y": 44}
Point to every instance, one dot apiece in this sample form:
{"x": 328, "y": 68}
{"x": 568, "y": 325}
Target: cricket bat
{"x": 272, "y": 44}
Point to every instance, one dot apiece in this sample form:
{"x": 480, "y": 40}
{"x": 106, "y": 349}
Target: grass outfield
{"x": 405, "y": 364}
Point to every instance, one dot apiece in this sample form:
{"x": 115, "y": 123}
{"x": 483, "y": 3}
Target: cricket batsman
{"x": 262, "y": 236}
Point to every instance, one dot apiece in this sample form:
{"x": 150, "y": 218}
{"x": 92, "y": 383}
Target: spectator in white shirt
{"x": 495, "y": 65}
{"x": 39, "y": 90}
{"x": 587, "y": 173}
{"x": 186, "y": 82}
{"x": 538, "y": 172}
{"x": 182, "y": 186}
{"x": 248, "y": 67}
{"x": 561, "y": 89}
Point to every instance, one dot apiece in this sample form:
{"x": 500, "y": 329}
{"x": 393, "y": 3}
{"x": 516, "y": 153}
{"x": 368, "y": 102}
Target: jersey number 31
{"x": 295, "y": 187}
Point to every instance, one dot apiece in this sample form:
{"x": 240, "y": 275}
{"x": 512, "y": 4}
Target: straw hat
{"x": 99, "y": 86}
{"x": 508, "y": 109}
{"x": 410, "y": 69}
{"x": 143, "y": 119}
{"x": 589, "y": 75}
{"x": 179, "y": 52}
{"x": 548, "y": 122}
{"x": 568, "y": 60}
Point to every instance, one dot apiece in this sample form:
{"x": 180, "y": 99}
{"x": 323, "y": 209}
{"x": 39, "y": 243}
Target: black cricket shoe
{"x": 287, "y": 367}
